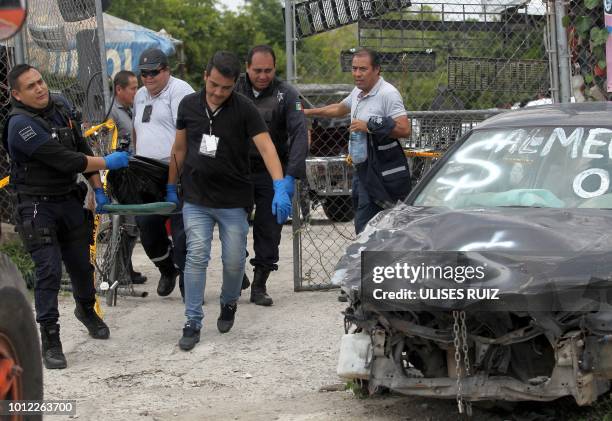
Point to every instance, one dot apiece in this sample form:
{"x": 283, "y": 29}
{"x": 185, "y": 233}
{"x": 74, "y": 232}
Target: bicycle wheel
{"x": 112, "y": 248}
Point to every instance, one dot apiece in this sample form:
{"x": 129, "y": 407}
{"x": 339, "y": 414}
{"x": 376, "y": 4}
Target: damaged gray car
{"x": 525, "y": 201}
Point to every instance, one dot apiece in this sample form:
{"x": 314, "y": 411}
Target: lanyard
{"x": 210, "y": 119}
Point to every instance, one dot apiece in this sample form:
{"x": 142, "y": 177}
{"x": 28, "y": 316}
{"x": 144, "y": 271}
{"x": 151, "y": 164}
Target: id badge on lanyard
{"x": 209, "y": 142}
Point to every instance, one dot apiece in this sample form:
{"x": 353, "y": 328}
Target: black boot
{"x": 167, "y": 280}
{"x": 52, "y": 353}
{"x": 137, "y": 277}
{"x": 86, "y": 314}
{"x": 258, "y": 288}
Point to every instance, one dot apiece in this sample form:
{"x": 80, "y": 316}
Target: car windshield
{"x": 552, "y": 167}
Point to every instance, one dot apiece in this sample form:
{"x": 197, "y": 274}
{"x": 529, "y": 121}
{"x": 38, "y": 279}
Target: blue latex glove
{"x": 289, "y": 185}
{"x": 117, "y": 160}
{"x": 171, "y": 194}
{"x": 281, "y": 203}
{"x": 101, "y": 200}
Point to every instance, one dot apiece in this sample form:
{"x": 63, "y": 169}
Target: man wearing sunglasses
{"x": 155, "y": 110}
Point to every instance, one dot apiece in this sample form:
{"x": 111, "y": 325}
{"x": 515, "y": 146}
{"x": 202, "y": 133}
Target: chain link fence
{"x": 454, "y": 65}
{"x": 7, "y": 60}
{"x": 60, "y": 38}
{"x": 588, "y": 40}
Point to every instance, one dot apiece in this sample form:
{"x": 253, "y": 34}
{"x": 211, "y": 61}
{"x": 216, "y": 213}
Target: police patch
{"x": 27, "y": 133}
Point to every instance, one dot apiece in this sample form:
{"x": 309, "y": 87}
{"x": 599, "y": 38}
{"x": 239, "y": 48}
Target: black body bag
{"x": 143, "y": 181}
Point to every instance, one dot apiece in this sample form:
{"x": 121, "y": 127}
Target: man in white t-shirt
{"x": 155, "y": 109}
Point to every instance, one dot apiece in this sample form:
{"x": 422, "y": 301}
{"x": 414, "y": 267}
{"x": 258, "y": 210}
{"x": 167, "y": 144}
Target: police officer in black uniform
{"x": 281, "y": 108}
{"x": 47, "y": 152}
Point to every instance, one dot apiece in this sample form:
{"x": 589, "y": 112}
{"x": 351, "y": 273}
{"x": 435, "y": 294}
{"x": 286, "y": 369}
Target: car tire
{"x": 338, "y": 208}
{"x": 18, "y": 334}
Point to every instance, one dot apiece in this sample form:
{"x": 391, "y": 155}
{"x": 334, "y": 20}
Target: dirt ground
{"x": 273, "y": 364}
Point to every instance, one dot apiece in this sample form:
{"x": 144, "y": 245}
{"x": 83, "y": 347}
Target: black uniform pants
{"x": 266, "y": 231}
{"x": 154, "y": 238}
{"x": 60, "y": 230}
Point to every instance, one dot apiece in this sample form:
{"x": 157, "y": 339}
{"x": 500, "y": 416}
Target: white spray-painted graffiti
{"x": 578, "y": 143}
{"x": 496, "y": 242}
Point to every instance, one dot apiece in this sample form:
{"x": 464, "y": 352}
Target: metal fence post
{"x": 20, "y": 47}
{"x": 296, "y": 222}
{"x": 563, "y": 54}
{"x": 289, "y": 39}
{"x": 102, "y": 44}
{"x": 551, "y": 48}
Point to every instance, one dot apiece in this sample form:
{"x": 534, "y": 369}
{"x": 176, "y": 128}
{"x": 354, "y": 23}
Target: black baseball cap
{"x": 151, "y": 59}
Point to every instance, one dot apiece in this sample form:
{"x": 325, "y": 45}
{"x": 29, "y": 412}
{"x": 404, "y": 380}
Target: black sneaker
{"x": 226, "y": 318}
{"x": 191, "y": 336}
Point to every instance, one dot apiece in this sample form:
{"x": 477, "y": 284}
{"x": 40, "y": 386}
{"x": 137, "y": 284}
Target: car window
{"x": 554, "y": 167}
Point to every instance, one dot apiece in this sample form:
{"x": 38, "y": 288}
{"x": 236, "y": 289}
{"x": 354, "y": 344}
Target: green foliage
{"x": 586, "y": 16}
{"x": 359, "y": 388}
{"x": 592, "y": 4}
{"x": 17, "y": 253}
{"x": 566, "y": 21}
{"x": 599, "y": 36}
{"x": 583, "y": 25}
{"x": 204, "y": 29}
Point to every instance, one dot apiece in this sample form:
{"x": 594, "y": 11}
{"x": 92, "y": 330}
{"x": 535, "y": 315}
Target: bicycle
{"x": 111, "y": 249}
{"x": 421, "y": 161}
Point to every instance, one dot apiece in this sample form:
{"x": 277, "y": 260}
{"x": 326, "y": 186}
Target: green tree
{"x": 196, "y": 22}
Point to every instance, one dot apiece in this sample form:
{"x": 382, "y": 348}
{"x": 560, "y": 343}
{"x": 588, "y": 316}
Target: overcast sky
{"x": 231, "y": 4}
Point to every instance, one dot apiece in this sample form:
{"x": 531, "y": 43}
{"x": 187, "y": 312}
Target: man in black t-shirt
{"x": 211, "y": 151}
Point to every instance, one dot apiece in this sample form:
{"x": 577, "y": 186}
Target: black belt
{"x": 24, "y": 197}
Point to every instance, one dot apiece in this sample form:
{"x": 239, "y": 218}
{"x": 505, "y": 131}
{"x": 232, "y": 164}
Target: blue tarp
{"x": 125, "y": 41}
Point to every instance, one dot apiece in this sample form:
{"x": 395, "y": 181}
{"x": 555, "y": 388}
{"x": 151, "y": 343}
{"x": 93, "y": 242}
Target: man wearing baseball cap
{"x": 155, "y": 109}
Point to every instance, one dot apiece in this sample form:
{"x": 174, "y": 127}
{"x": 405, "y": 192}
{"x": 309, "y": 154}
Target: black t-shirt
{"x": 222, "y": 181}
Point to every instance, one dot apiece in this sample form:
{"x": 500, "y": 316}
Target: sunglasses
{"x": 150, "y": 73}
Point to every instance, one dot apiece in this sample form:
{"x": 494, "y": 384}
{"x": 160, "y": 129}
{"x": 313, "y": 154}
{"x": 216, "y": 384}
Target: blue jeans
{"x": 364, "y": 207}
{"x": 199, "y": 224}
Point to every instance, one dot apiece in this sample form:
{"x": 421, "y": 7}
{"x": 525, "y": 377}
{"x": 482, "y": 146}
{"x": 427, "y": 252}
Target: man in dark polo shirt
{"x": 211, "y": 152}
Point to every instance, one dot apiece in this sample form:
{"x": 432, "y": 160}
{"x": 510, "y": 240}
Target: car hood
{"x": 536, "y": 249}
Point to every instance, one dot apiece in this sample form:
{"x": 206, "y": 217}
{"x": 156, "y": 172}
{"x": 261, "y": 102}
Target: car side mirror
{"x": 12, "y": 16}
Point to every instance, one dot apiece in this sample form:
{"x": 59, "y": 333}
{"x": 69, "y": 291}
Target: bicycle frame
{"x": 93, "y": 131}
